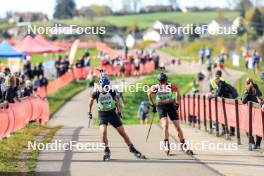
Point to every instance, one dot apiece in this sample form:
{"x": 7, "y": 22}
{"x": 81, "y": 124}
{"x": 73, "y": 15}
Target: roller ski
{"x": 167, "y": 147}
{"x": 185, "y": 149}
{"x": 137, "y": 154}
{"x": 107, "y": 154}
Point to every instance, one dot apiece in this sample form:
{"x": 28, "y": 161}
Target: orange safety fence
{"x": 15, "y": 116}
{"x": 222, "y": 111}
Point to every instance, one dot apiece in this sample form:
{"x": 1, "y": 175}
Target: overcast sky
{"x": 47, "y": 6}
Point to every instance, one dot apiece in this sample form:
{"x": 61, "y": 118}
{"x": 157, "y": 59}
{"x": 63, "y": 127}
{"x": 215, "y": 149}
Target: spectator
{"x": 256, "y": 60}
{"x": 253, "y": 94}
{"x": 2, "y": 86}
{"x": 7, "y": 71}
{"x": 21, "y": 89}
{"x": 34, "y": 72}
{"x": 208, "y": 54}
{"x": 43, "y": 81}
{"x": 35, "y": 83}
{"x": 58, "y": 65}
{"x": 28, "y": 89}
{"x": 225, "y": 90}
{"x": 201, "y": 54}
{"x": 40, "y": 69}
{"x": 10, "y": 93}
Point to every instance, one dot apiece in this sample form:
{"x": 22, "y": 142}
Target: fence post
{"x": 210, "y": 116}
{"x": 188, "y": 99}
{"x": 237, "y": 123}
{"x": 180, "y": 112}
{"x": 250, "y": 136}
{"x": 262, "y": 115}
{"x": 184, "y": 109}
{"x": 204, "y": 107}
{"x": 216, "y": 117}
{"x": 199, "y": 120}
{"x": 194, "y": 117}
{"x": 226, "y": 122}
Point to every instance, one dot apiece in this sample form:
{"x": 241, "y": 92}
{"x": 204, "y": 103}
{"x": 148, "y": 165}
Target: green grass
{"x": 12, "y": 146}
{"x": 133, "y": 99}
{"x": 31, "y": 163}
{"x": 37, "y": 58}
{"x": 147, "y": 20}
{"x": 61, "y": 96}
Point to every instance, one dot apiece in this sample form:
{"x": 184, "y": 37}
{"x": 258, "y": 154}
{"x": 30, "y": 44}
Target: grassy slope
{"x": 60, "y": 97}
{"x": 146, "y": 20}
{"x": 37, "y": 58}
{"x": 13, "y": 145}
{"x": 133, "y": 99}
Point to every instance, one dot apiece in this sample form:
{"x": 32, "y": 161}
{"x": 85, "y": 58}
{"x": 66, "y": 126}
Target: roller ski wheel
{"x": 185, "y": 149}
{"x": 136, "y": 153}
{"x": 167, "y": 147}
{"x": 106, "y": 157}
{"x": 189, "y": 152}
{"x": 107, "y": 154}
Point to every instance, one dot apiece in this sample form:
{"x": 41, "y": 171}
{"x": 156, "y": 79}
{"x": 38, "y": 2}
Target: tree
{"x": 255, "y": 19}
{"x": 243, "y": 6}
{"x": 64, "y": 9}
{"x": 101, "y": 10}
{"x": 133, "y": 26}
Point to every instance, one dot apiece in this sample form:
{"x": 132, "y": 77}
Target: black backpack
{"x": 233, "y": 91}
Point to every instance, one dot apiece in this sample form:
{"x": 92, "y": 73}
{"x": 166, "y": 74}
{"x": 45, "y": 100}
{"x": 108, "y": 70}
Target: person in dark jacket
{"x": 253, "y": 94}
{"x": 225, "y": 90}
{"x": 10, "y": 93}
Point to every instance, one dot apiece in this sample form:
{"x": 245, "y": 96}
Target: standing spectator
{"x": 27, "y": 67}
{"x": 35, "y": 83}
{"x": 10, "y": 93}
{"x": 2, "y": 86}
{"x": 40, "y": 69}
{"x": 58, "y": 65}
{"x": 28, "y": 89}
{"x": 43, "y": 81}
{"x": 208, "y": 54}
{"x": 7, "y": 71}
{"x": 225, "y": 90}
{"x": 21, "y": 89}
{"x": 34, "y": 72}
{"x": 253, "y": 94}
{"x": 256, "y": 60}
{"x": 201, "y": 54}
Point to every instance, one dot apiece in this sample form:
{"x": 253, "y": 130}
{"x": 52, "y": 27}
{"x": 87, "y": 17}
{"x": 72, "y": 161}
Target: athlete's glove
{"x": 90, "y": 115}
{"x": 154, "y": 108}
{"x": 119, "y": 114}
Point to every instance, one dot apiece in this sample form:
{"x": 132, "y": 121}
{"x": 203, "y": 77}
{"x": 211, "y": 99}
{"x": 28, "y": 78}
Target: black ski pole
{"x": 150, "y": 126}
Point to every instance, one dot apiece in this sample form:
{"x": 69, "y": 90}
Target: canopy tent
{"x": 48, "y": 45}
{"x": 7, "y": 51}
{"x": 30, "y": 45}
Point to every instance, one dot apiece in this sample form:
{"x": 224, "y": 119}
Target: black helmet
{"x": 162, "y": 77}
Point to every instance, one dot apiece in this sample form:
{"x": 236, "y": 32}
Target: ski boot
{"x": 107, "y": 154}
{"x": 185, "y": 149}
{"x": 137, "y": 154}
{"x": 167, "y": 147}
